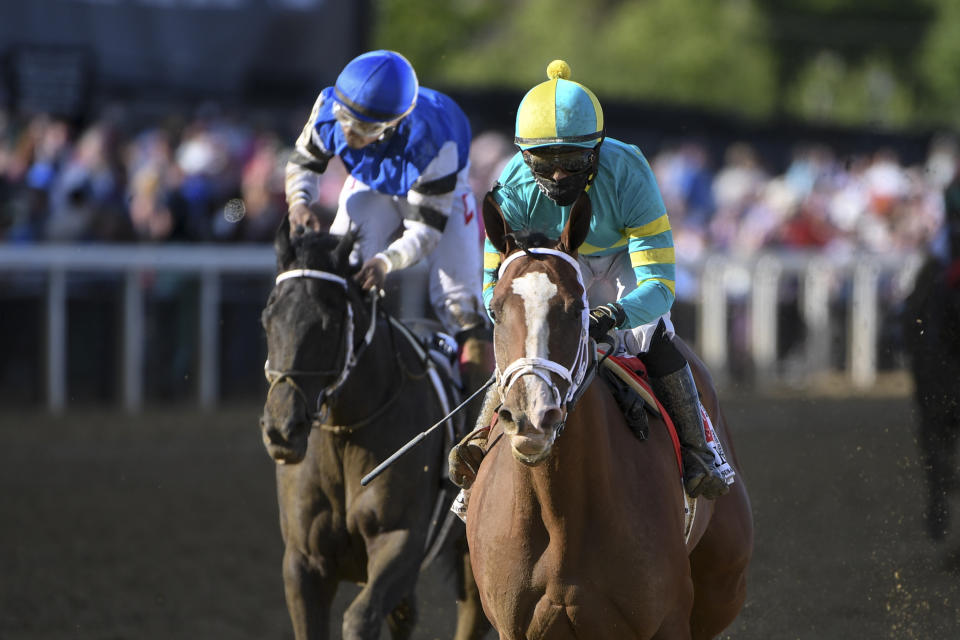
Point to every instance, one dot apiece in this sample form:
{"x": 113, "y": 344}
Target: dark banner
{"x": 55, "y": 52}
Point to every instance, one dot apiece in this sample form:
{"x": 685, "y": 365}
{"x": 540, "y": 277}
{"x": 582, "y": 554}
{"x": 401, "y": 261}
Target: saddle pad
{"x": 631, "y": 370}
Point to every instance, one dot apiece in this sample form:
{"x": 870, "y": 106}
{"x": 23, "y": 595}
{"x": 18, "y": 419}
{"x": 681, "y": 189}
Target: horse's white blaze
{"x": 536, "y": 289}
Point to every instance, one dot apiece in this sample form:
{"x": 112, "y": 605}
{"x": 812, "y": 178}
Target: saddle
{"x": 630, "y": 385}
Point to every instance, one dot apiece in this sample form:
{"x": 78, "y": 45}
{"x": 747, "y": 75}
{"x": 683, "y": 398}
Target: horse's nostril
{"x": 551, "y": 418}
{"x": 505, "y": 415}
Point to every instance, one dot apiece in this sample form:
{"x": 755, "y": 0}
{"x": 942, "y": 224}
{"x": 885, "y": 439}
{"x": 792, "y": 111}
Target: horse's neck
{"x": 582, "y": 459}
{"x": 597, "y": 465}
{"x": 372, "y": 382}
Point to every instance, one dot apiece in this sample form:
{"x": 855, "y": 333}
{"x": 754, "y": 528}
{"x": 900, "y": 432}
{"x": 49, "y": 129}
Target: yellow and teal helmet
{"x": 559, "y": 112}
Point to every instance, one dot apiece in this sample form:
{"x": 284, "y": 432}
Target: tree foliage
{"x": 885, "y": 63}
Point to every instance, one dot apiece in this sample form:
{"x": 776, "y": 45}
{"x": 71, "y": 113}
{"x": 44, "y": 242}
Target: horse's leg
{"x": 718, "y": 565}
{"x": 393, "y": 560}
{"x": 310, "y": 574}
{"x": 472, "y": 624}
{"x": 676, "y": 626}
{"x": 403, "y": 618}
{"x": 935, "y": 440}
{"x": 309, "y": 594}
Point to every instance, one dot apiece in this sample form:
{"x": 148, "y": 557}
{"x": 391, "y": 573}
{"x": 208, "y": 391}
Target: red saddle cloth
{"x": 638, "y": 371}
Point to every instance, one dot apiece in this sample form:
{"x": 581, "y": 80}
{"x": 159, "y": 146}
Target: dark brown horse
{"x": 576, "y": 528}
{"x": 931, "y": 327}
{"x": 347, "y": 389}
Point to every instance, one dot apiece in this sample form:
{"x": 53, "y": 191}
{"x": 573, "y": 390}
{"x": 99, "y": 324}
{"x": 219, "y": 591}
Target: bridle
{"x": 575, "y": 376}
{"x": 351, "y": 355}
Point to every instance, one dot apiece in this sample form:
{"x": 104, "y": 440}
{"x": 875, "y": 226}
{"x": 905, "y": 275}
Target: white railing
{"x": 867, "y": 285}
{"x": 756, "y": 281}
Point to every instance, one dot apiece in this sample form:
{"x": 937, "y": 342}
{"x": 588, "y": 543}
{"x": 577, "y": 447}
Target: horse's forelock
{"x": 322, "y": 251}
{"x": 527, "y": 239}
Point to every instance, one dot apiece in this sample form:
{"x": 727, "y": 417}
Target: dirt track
{"x": 164, "y": 526}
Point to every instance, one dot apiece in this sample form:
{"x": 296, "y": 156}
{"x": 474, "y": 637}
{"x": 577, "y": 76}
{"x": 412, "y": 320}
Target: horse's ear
{"x": 498, "y": 229}
{"x": 281, "y": 244}
{"x": 341, "y": 253}
{"x": 578, "y": 224}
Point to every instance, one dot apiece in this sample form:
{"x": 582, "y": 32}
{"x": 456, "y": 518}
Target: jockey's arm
{"x": 653, "y": 261}
{"x": 422, "y": 229}
{"x": 429, "y": 203}
{"x": 646, "y": 227}
{"x": 308, "y": 159}
{"x": 491, "y": 266}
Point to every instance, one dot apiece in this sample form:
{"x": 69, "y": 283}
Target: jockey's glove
{"x": 605, "y": 318}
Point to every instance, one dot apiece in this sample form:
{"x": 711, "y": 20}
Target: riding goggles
{"x": 545, "y": 161}
{"x": 360, "y": 127}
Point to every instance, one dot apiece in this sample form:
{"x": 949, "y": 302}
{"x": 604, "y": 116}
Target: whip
{"x": 416, "y": 440}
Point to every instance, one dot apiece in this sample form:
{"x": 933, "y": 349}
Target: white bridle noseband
{"x": 351, "y": 355}
{"x": 543, "y": 367}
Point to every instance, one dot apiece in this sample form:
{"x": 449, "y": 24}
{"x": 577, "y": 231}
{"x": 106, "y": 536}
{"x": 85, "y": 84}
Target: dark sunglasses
{"x": 545, "y": 162}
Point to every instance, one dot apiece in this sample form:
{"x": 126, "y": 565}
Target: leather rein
{"x": 351, "y": 355}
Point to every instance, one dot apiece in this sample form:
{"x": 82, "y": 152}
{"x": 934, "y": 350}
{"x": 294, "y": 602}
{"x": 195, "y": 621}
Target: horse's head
{"x": 309, "y": 323}
{"x": 540, "y": 328}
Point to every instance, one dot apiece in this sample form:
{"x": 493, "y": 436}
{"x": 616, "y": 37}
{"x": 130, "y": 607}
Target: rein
{"x": 351, "y": 356}
{"x": 576, "y": 376}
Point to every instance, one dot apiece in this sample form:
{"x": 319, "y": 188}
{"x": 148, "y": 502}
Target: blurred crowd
{"x": 214, "y": 177}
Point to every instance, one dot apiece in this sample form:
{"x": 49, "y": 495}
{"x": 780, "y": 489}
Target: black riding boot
{"x": 678, "y": 393}
{"x": 476, "y": 366}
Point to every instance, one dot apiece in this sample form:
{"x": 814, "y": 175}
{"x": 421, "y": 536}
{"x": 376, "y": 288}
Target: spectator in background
{"x": 86, "y": 199}
{"x": 152, "y": 178}
{"x": 738, "y": 184}
{"x": 35, "y": 162}
{"x": 489, "y": 153}
{"x": 255, "y": 216}
{"x": 186, "y": 180}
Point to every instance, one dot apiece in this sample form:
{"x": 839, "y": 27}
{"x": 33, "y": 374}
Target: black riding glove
{"x": 604, "y": 318}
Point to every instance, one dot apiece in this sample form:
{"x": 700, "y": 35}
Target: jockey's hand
{"x": 303, "y": 219}
{"x": 373, "y": 273}
{"x": 605, "y": 318}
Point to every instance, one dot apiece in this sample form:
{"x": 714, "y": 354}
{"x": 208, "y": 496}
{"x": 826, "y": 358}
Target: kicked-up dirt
{"x": 164, "y": 525}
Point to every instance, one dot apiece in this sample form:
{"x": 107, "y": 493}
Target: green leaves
{"x": 877, "y": 62}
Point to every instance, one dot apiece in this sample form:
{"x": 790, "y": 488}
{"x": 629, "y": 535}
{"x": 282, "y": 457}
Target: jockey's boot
{"x": 463, "y": 462}
{"x": 476, "y": 367}
{"x": 678, "y": 393}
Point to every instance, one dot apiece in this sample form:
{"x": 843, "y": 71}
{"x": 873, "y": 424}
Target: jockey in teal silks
{"x": 627, "y": 260}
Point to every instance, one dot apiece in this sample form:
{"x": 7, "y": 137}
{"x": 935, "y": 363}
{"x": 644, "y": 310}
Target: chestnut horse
{"x": 582, "y": 535}
{"x": 346, "y": 390}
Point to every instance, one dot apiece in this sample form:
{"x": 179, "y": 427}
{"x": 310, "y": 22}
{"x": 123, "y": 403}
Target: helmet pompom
{"x": 558, "y": 69}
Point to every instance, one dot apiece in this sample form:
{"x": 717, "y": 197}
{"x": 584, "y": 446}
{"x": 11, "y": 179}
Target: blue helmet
{"x": 378, "y": 86}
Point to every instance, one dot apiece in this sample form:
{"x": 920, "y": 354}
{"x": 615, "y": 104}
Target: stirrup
{"x": 463, "y": 462}
{"x": 702, "y": 479}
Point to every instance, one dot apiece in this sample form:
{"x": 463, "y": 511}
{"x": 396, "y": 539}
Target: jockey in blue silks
{"x": 406, "y": 149}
